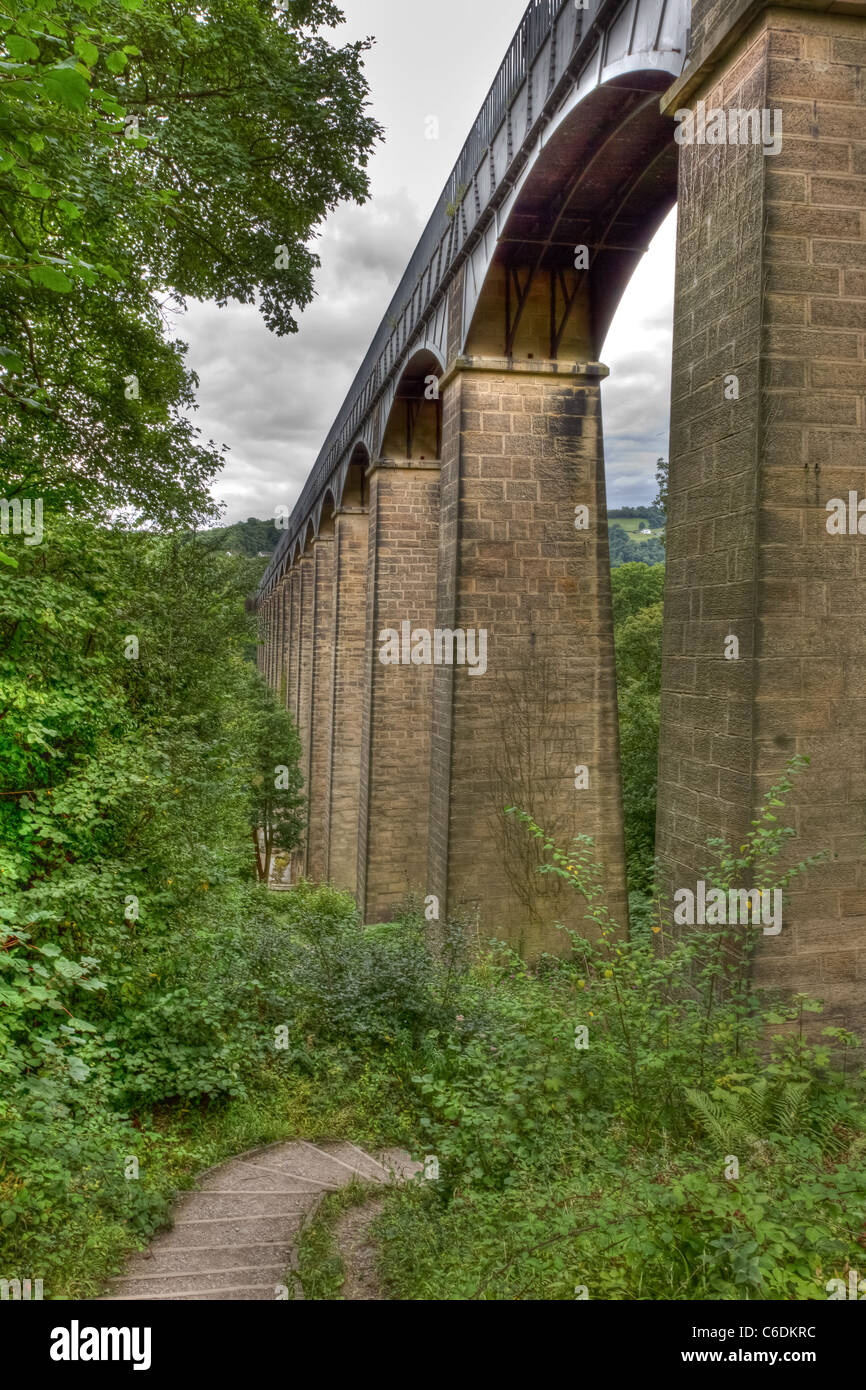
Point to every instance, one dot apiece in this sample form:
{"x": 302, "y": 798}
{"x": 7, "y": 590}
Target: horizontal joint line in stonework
{"x": 525, "y": 366}
{"x": 405, "y": 465}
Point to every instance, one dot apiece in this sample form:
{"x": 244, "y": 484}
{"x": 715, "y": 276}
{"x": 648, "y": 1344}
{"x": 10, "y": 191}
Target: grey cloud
{"x": 272, "y": 400}
{"x": 636, "y": 411}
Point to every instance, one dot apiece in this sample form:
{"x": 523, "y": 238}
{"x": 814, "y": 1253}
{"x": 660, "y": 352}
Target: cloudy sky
{"x": 272, "y": 400}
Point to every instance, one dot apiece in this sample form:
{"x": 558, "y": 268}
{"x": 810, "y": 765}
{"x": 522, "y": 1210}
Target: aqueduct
{"x": 461, "y": 488}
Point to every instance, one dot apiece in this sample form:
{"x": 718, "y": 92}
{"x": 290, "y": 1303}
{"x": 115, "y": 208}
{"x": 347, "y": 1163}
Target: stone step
{"x": 347, "y": 1170}
{"x": 244, "y": 1231}
{"x": 170, "y": 1259}
{"x": 303, "y": 1160}
{"x": 204, "y": 1280}
{"x": 249, "y": 1293}
{"x": 398, "y": 1164}
{"x": 201, "y": 1206}
{"x": 235, "y": 1236}
{"x": 240, "y": 1175}
{"x": 361, "y": 1163}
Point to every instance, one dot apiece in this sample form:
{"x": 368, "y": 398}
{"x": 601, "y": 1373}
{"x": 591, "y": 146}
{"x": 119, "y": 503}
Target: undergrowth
{"x": 629, "y": 1119}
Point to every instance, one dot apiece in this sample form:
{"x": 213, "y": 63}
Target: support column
{"x": 522, "y": 449}
{"x": 260, "y": 639}
{"x": 287, "y": 639}
{"x": 771, "y": 292}
{"x": 295, "y": 644}
{"x": 274, "y": 639}
{"x": 281, "y": 642}
{"x": 306, "y": 579}
{"x": 396, "y": 738}
{"x": 347, "y": 685}
{"x": 269, "y": 638}
{"x": 322, "y": 638}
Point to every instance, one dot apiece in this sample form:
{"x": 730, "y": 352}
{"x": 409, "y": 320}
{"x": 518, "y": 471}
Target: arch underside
{"x": 598, "y": 169}
{"x": 605, "y": 180}
{"x": 412, "y": 426}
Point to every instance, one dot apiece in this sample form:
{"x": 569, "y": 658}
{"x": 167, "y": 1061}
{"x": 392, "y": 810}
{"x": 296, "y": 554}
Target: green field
{"x": 633, "y": 524}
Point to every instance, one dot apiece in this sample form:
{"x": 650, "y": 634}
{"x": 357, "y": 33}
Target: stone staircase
{"x": 235, "y": 1235}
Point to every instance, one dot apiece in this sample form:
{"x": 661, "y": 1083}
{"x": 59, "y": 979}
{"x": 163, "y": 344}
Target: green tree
{"x": 251, "y": 537}
{"x": 661, "y": 498}
{"x": 129, "y": 913}
{"x": 129, "y": 720}
{"x": 148, "y": 152}
{"x": 634, "y": 587}
{"x": 638, "y": 641}
{"x": 277, "y": 803}
{"x": 623, "y": 550}
{"x": 638, "y": 658}
{"x": 638, "y": 619}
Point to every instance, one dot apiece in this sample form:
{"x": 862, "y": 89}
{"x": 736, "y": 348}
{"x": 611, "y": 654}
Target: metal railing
{"x": 437, "y": 250}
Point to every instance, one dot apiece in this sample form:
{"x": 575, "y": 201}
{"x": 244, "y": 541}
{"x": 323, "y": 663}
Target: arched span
{"x": 300, "y": 544}
{"x": 353, "y": 486}
{"x": 325, "y": 508}
{"x": 585, "y": 212}
{"x": 566, "y": 68}
{"x": 413, "y": 416}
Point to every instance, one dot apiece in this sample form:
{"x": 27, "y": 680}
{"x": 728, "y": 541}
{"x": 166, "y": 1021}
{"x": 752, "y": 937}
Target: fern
{"x": 751, "y": 1116}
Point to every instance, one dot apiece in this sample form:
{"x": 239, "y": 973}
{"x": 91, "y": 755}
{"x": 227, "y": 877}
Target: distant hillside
{"x": 250, "y": 537}
{"x": 652, "y": 515}
{"x": 627, "y": 531}
{"x": 636, "y": 534}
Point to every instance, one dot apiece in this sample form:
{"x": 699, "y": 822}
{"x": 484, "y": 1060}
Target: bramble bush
{"x": 561, "y": 1166}
{"x": 608, "y": 1166}
{"x": 128, "y": 904}
{"x": 130, "y": 780}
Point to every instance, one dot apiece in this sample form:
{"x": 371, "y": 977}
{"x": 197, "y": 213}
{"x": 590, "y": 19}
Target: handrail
{"x": 533, "y": 31}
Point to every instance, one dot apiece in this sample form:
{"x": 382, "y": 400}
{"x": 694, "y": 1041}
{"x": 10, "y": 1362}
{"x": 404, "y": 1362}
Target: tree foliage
{"x": 653, "y": 516}
{"x": 277, "y": 811}
{"x": 661, "y": 498}
{"x": 128, "y": 782}
{"x": 625, "y": 551}
{"x": 150, "y": 152}
{"x": 638, "y": 621}
{"x": 635, "y": 587}
{"x": 251, "y": 537}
